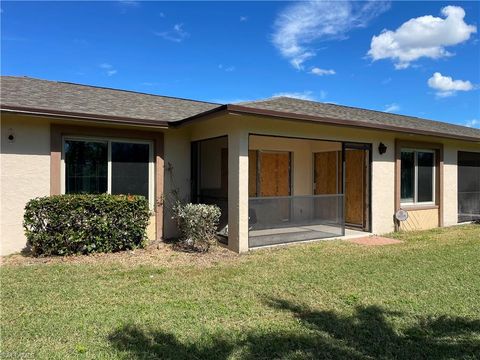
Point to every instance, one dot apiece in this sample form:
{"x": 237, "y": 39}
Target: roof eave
{"x": 202, "y": 116}
{"x": 83, "y": 116}
{"x": 239, "y": 109}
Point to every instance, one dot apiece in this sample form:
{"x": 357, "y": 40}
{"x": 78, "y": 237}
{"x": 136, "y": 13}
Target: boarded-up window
{"x": 274, "y": 168}
{"x": 328, "y": 172}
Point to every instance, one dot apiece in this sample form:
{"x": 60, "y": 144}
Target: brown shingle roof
{"x": 97, "y": 103}
{"x": 311, "y": 110}
{"x": 63, "y": 97}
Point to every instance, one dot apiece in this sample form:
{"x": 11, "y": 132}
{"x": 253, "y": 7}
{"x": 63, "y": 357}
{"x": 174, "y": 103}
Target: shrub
{"x": 197, "y": 224}
{"x": 83, "y": 224}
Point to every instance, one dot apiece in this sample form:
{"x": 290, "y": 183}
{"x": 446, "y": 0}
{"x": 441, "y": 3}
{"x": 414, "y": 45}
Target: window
{"x": 417, "y": 184}
{"x": 468, "y": 172}
{"x": 86, "y": 167}
{"x": 130, "y": 168}
{"x": 94, "y": 166}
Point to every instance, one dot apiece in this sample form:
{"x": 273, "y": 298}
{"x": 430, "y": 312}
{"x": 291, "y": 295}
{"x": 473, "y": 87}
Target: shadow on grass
{"x": 368, "y": 333}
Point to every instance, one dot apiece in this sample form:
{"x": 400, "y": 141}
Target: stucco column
{"x": 238, "y": 190}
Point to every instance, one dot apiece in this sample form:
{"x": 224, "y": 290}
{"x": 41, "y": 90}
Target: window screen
{"x": 417, "y": 176}
{"x": 130, "y": 168}
{"x": 468, "y": 186}
{"x": 425, "y": 175}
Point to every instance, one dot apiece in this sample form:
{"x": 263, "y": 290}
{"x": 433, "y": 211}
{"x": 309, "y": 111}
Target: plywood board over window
{"x": 274, "y": 173}
{"x": 327, "y": 172}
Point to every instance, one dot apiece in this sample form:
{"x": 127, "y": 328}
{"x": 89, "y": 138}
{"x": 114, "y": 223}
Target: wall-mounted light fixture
{"x": 382, "y": 148}
{"x": 11, "y": 135}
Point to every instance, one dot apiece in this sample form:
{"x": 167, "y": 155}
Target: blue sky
{"x": 425, "y": 63}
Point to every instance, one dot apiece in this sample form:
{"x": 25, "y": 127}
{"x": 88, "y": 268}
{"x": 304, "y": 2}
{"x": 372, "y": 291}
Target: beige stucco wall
{"x": 25, "y": 174}
{"x": 25, "y": 167}
{"x": 177, "y": 158}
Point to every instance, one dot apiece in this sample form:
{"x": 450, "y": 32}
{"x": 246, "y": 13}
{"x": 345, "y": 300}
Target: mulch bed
{"x": 157, "y": 254}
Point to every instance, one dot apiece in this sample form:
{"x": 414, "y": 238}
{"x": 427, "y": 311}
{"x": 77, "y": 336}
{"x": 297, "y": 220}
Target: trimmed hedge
{"x": 84, "y": 224}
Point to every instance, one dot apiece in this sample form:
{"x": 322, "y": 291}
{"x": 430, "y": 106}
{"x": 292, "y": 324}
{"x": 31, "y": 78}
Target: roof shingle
{"x": 74, "y": 98}
{"x": 62, "y": 97}
{"x": 369, "y": 118}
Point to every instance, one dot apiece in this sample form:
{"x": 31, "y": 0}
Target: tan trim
{"x": 420, "y": 207}
{"x": 57, "y": 132}
{"x": 438, "y": 147}
{"x": 83, "y": 116}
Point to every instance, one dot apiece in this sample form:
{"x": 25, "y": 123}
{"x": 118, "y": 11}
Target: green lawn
{"x": 419, "y": 299}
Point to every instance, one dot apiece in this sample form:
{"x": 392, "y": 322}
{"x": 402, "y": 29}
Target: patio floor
{"x": 288, "y": 235}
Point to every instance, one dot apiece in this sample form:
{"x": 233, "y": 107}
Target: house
{"x": 281, "y": 169}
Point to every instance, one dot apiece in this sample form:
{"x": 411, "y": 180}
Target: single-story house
{"x": 280, "y": 169}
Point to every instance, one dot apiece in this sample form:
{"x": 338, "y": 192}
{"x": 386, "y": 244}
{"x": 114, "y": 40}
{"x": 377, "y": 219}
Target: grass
{"x": 416, "y": 300}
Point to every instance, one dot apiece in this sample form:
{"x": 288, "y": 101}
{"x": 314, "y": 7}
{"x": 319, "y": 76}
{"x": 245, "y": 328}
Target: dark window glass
{"x": 425, "y": 176}
{"x": 130, "y": 168}
{"x": 86, "y": 167}
{"x": 407, "y": 183}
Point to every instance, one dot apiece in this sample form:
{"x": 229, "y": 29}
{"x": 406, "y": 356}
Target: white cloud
{"x": 446, "y": 86}
{"x": 129, "y": 2}
{"x": 392, "y": 107}
{"x": 386, "y": 80}
{"x": 229, "y": 100}
{"x": 300, "y": 25}
{"x": 321, "y": 72}
{"x": 177, "y": 34}
{"x": 425, "y": 36}
{"x": 226, "y": 68}
{"x": 243, "y": 18}
{"x": 108, "y": 69}
{"x": 304, "y": 95}
{"x": 474, "y": 123}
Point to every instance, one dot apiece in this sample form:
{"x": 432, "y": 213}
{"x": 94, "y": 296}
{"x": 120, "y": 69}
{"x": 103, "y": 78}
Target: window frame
{"x": 109, "y": 140}
{"x": 415, "y": 184}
